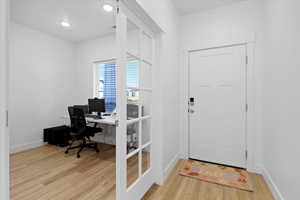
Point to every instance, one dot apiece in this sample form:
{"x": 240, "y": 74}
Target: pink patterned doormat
{"x": 219, "y": 174}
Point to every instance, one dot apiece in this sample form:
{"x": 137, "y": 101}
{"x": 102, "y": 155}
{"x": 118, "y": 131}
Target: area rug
{"x": 219, "y": 174}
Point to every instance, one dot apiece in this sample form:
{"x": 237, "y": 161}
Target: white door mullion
{"x": 140, "y": 106}
{"x": 140, "y": 43}
{"x": 121, "y": 136}
{"x": 140, "y": 141}
{"x": 151, "y": 100}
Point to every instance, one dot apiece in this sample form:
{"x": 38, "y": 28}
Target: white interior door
{"x": 135, "y": 171}
{"x": 217, "y": 117}
{"x": 4, "y": 137}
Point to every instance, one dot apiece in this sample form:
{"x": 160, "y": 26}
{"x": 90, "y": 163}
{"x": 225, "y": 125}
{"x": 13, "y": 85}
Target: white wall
{"x": 281, "y": 97}
{"x": 41, "y": 84}
{"x": 227, "y": 25}
{"x": 222, "y": 24}
{"x": 165, "y": 14}
{"x": 86, "y": 53}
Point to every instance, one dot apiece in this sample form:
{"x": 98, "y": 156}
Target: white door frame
{"x": 4, "y": 138}
{"x": 251, "y": 121}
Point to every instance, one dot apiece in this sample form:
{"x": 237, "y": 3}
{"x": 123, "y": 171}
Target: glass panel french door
{"x": 135, "y": 45}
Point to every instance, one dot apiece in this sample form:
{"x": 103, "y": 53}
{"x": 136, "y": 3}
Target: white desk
{"x": 108, "y": 124}
{"x": 107, "y": 120}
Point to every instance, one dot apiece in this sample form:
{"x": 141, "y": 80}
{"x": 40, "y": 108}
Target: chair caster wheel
{"x": 66, "y": 152}
{"x": 78, "y": 156}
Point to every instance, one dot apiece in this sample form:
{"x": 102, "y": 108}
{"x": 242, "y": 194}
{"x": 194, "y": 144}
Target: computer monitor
{"x": 96, "y": 105}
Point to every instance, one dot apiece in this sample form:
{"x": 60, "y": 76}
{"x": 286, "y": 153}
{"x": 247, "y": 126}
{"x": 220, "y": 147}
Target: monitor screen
{"x": 96, "y": 105}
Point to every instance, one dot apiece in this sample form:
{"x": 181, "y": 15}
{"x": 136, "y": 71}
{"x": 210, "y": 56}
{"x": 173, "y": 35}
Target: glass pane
{"x": 132, "y": 87}
{"x": 133, "y": 38}
{"x": 146, "y": 130}
{"x": 133, "y": 73}
{"x": 133, "y": 95}
{"x": 132, "y": 137}
{"x": 132, "y": 111}
{"x": 145, "y": 76}
{"x": 147, "y": 48}
{"x": 132, "y": 169}
{"x": 145, "y": 102}
{"x": 146, "y": 162}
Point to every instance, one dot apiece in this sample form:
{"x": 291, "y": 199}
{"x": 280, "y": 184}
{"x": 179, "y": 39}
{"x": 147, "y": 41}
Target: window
{"x": 105, "y": 84}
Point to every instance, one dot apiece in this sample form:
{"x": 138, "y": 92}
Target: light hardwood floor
{"x": 46, "y": 173}
{"x": 184, "y": 188}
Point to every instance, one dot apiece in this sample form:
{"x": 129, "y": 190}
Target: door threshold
{"x": 217, "y": 164}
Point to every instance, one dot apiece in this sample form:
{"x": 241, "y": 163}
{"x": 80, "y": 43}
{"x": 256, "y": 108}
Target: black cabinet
{"x": 59, "y": 135}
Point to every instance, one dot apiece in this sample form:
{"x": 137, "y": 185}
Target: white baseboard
{"x": 256, "y": 169}
{"x": 23, "y": 147}
{"x": 170, "y": 167}
{"x": 273, "y": 187}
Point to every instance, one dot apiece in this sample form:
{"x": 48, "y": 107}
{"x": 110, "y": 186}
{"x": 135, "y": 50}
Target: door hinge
{"x": 246, "y": 154}
{"x": 246, "y": 60}
{"x": 247, "y": 107}
{"x": 6, "y": 120}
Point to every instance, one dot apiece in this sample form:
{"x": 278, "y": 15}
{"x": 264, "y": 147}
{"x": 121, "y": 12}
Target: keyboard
{"x": 93, "y": 116}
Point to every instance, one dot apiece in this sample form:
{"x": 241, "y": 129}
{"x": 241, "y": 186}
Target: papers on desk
{"x": 109, "y": 120}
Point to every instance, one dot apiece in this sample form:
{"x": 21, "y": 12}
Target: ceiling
{"x": 88, "y": 19}
{"x": 189, "y": 6}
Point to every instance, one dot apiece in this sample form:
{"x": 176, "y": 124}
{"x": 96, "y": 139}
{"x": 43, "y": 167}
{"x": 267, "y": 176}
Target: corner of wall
{"x": 270, "y": 182}
{"x": 170, "y": 167}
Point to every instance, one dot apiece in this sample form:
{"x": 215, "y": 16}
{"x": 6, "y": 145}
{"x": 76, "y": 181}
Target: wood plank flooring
{"x": 184, "y": 188}
{"x": 46, "y": 173}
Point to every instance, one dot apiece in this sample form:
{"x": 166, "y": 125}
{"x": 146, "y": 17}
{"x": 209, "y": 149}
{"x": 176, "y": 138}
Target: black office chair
{"x": 85, "y": 108}
{"x": 81, "y": 132}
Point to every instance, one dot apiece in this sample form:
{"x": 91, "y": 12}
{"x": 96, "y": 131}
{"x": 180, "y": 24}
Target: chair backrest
{"x": 77, "y": 118}
{"x": 71, "y": 113}
{"x": 85, "y": 108}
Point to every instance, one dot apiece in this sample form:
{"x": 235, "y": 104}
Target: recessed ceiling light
{"x": 65, "y": 24}
{"x": 107, "y": 7}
